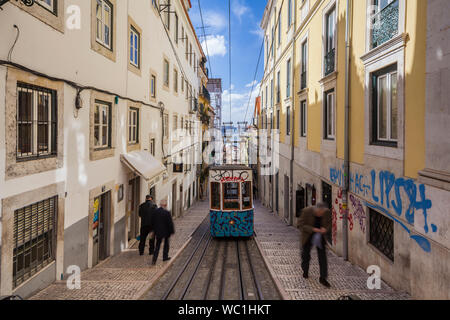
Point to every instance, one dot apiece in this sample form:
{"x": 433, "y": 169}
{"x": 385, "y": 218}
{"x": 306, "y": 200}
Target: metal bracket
{"x": 28, "y": 3}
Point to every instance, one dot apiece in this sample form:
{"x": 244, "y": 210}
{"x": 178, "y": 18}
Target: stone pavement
{"x": 127, "y": 276}
{"x": 280, "y": 245}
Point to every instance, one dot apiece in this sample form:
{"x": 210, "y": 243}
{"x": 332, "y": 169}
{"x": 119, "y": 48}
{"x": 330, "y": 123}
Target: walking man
{"x": 146, "y": 211}
{"x": 314, "y": 224}
{"x": 163, "y": 228}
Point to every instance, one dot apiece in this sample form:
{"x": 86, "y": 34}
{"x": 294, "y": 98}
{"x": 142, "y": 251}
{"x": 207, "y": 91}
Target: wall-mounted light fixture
{"x": 28, "y": 3}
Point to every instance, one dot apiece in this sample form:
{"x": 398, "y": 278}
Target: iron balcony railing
{"x": 385, "y": 24}
{"x": 303, "y": 80}
{"x": 330, "y": 61}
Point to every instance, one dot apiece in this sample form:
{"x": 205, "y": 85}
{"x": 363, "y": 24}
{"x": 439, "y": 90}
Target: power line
{"x": 229, "y": 50}
{"x": 254, "y": 79}
{"x": 204, "y": 38}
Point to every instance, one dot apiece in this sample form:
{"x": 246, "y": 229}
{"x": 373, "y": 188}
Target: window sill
{"x": 34, "y": 158}
{"x": 395, "y": 44}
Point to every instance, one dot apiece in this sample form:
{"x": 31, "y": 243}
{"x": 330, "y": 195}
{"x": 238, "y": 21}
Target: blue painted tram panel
{"x": 231, "y": 201}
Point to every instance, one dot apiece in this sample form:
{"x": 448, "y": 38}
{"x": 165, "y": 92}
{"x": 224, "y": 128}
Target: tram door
{"x": 100, "y": 227}
{"x": 133, "y": 203}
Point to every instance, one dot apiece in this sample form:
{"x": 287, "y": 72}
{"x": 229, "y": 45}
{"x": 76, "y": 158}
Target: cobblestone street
{"x": 281, "y": 248}
{"x": 127, "y": 275}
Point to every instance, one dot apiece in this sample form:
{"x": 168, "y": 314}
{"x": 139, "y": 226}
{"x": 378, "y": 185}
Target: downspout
{"x": 346, "y": 135}
{"x": 291, "y": 178}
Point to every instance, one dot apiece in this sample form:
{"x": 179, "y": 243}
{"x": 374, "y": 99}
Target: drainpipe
{"x": 291, "y": 179}
{"x": 346, "y": 134}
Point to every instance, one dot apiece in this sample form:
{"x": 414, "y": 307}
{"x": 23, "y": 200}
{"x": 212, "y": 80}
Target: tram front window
{"x": 246, "y": 195}
{"x": 231, "y": 196}
{"x": 215, "y": 196}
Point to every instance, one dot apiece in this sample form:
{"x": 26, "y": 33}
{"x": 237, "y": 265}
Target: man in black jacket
{"x": 146, "y": 211}
{"x": 163, "y": 228}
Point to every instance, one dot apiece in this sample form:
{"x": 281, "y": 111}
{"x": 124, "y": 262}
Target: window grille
{"x": 382, "y": 233}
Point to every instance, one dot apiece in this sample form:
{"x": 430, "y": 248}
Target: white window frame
{"x": 135, "y": 47}
{"x": 175, "y": 80}
{"x": 166, "y": 73}
{"x": 330, "y": 115}
{"x": 49, "y": 6}
{"x": 288, "y": 78}
{"x": 303, "y": 118}
{"x": 153, "y": 86}
{"x": 104, "y": 23}
{"x": 133, "y": 125}
{"x": 325, "y": 13}
{"x": 102, "y": 107}
{"x": 388, "y": 119}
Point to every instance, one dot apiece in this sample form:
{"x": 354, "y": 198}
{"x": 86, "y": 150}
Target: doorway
{"x": 299, "y": 201}
{"x": 181, "y": 201}
{"x": 327, "y": 192}
{"x": 286, "y": 199}
{"x": 100, "y": 226}
{"x": 277, "y": 193}
{"x": 174, "y": 199}
{"x": 134, "y": 202}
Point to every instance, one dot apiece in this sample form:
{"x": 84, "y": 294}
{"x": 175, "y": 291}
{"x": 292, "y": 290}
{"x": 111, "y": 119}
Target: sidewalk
{"x": 280, "y": 245}
{"x": 127, "y": 275}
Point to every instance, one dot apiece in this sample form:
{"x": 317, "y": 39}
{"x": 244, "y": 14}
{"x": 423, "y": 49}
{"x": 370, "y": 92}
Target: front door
{"x": 180, "y": 211}
{"x": 286, "y": 199}
{"x": 133, "y": 203}
{"x": 174, "y": 199}
{"x": 327, "y": 198}
{"x": 102, "y": 207}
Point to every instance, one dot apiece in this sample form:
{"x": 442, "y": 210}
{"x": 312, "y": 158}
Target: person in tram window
{"x": 314, "y": 224}
{"x": 163, "y": 227}
{"x": 146, "y": 211}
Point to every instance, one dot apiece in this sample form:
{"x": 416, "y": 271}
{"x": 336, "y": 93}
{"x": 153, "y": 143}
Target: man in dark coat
{"x": 146, "y": 211}
{"x": 163, "y": 228}
{"x": 314, "y": 224}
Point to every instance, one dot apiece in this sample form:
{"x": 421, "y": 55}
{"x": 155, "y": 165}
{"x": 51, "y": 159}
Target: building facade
{"x": 95, "y": 98}
{"x": 355, "y": 90}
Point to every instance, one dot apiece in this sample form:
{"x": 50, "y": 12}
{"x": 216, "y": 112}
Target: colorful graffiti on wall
{"x": 231, "y": 224}
{"x": 389, "y": 196}
{"x": 358, "y": 212}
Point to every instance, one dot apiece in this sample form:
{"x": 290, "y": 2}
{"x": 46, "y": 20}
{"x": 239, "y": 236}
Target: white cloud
{"x": 215, "y": 44}
{"x": 251, "y": 84}
{"x": 258, "y": 31}
{"x": 239, "y": 9}
{"x": 239, "y": 103}
{"x": 214, "y": 20}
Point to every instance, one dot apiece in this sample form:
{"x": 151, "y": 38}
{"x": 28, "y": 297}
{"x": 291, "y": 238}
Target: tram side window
{"x": 215, "y": 195}
{"x": 246, "y": 195}
{"x": 231, "y": 196}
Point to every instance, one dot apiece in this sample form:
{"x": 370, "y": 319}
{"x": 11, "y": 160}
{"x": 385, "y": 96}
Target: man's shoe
{"x": 141, "y": 254}
{"x": 324, "y": 282}
{"x": 151, "y": 253}
{"x": 153, "y": 262}
{"x": 305, "y": 275}
{"x": 167, "y": 259}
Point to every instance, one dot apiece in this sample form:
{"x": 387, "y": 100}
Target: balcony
{"x": 385, "y": 24}
{"x": 206, "y": 94}
{"x": 303, "y": 80}
{"x": 329, "y": 62}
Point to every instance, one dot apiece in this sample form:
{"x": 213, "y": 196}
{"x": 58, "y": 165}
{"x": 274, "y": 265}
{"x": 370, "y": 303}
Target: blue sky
{"x": 246, "y": 39}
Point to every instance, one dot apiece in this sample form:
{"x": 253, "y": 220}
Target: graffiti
{"x": 385, "y": 190}
{"x": 227, "y": 175}
{"x": 359, "y": 214}
{"x": 231, "y": 224}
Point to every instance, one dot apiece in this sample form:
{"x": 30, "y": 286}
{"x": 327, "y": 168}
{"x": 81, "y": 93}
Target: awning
{"x": 143, "y": 164}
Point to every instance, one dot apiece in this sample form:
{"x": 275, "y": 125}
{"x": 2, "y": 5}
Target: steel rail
{"x": 252, "y": 270}
{"x": 211, "y": 272}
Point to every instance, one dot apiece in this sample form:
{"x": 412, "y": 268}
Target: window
{"x": 135, "y": 44}
{"x": 133, "y": 126}
{"x": 153, "y": 147}
{"x": 175, "y": 123}
{"x": 266, "y": 99}
{"x": 190, "y": 54}
{"x": 278, "y": 119}
{"x": 289, "y": 8}
{"x": 329, "y": 115}
{"x": 187, "y": 89}
{"x": 176, "y": 28}
{"x": 102, "y": 125}
{"x": 279, "y": 29}
{"x": 215, "y": 195}
{"x": 34, "y": 239}
{"x": 166, "y": 73}
{"x": 303, "y": 119}
{"x": 104, "y": 23}
{"x": 278, "y": 87}
{"x": 288, "y": 79}
{"x": 384, "y": 21}
{"x": 303, "y": 78}
{"x": 273, "y": 42}
{"x": 187, "y": 47}
{"x": 166, "y": 126}
{"x": 247, "y": 195}
{"x": 385, "y": 107}
{"x": 271, "y": 93}
{"x": 175, "y": 80}
{"x": 330, "y": 41}
{"x": 153, "y": 86}
{"x": 381, "y": 233}
{"x": 155, "y": 4}
{"x": 231, "y": 196}
{"x": 167, "y": 14}
{"x": 182, "y": 83}
{"x": 50, "y": 5}
{"x": 36, "y": 121}
{"x": 288, "y": 120}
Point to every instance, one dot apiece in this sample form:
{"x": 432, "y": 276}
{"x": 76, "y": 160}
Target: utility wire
{"x": 254, "y": 80}
{"x": 204, "y": 38}
{"x": 229, "y": 50}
